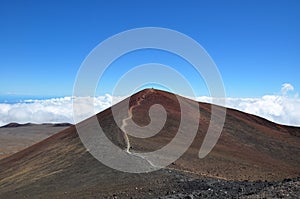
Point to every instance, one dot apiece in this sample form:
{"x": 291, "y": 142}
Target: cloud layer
{"x": 276, "y": 108}
{"x": 281, "y": 108}
{"x": 53, "y": 110}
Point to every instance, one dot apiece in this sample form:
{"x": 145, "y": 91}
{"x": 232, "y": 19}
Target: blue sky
{"x": 255, "y": 44}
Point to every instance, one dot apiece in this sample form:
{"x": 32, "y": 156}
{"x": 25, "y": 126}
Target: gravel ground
{"x": 212, "y": 188}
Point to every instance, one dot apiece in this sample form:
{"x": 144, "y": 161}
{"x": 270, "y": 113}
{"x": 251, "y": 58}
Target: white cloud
{"x": 53, "y": 110}
{"x": 277, "y": 108}
{"x": 286, "y": 87}
{"x": 281, "y": 108}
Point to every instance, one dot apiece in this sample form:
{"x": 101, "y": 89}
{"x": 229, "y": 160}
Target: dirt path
{"x": 124, "y": 122}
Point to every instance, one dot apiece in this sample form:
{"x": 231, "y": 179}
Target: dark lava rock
{"x": 213, "y": 188}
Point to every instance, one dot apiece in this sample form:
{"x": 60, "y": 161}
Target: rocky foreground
{"x": 218, "y": 188}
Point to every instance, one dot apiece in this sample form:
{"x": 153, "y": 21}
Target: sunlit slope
{"x": 249, "y": 148}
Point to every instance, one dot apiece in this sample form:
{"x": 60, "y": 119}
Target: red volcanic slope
{"x": 250, "y": 148}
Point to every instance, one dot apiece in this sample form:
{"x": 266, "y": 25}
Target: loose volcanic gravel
{"x": 212, "y": 188}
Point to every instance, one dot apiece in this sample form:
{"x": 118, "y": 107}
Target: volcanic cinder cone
{"x": 250, "y": 148}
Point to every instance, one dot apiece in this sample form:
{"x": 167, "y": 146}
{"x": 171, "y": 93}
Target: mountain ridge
{"x": 249, "y": 148}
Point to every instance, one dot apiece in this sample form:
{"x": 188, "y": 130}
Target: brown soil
{"x": 250, "y": 148}
{"x": 15, "y": 137}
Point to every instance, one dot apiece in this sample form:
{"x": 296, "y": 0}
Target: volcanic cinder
{"x": 250, "y": 149}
